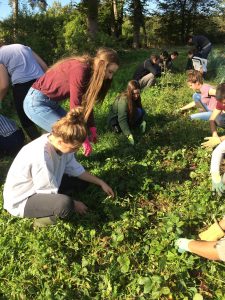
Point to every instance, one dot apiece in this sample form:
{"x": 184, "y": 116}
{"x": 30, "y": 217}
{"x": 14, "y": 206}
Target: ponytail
{"x": 71, "y": 128}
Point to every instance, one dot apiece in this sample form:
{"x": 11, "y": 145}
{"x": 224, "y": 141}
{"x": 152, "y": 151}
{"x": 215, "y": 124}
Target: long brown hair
{"x": 98, "y": 86}
{"x": 84, "y": 59}
{"x": 133, "y": 105}
{"x": 71, "y": 128}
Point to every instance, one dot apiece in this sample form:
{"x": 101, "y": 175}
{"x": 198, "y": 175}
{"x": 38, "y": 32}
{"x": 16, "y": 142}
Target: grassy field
{"x": 123, "y": 249}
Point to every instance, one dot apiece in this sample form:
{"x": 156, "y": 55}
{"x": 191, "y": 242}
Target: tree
{"x": 136, "y": 8}
{"x": 117, "y": 13}
{"x": 92, "y": 16}
{"x": 181, "y": 17}
{"x": 42, "y": 4}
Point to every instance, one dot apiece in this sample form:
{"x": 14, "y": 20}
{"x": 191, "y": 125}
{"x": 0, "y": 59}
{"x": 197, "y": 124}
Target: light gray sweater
{"x": 37, "y": 168}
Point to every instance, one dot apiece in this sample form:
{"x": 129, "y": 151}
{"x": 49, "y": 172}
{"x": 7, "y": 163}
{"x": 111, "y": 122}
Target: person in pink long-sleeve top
{"x": 203, "y": 98}
{"x": 84, "y": 80}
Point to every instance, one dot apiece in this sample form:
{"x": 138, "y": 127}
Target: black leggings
{"x": 11, "y": 145}
{"x": 19, "y": 93}
{"x": 61, "y": 204}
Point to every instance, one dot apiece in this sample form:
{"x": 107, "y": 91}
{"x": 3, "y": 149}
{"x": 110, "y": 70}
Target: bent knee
{"x": 65, "y": 206}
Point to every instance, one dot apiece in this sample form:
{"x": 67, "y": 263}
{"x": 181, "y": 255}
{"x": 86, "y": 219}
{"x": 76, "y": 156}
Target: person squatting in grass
{"x": 126, "y": 112}
{"x": 23, "y": 66}
{"x": 11, "y": 137}
{"x": 217, "y": 118}
{"x": 83, "y": 79}
{"x": 204, "y": 96}
{"x": 44, "y": 170}
{"x": 147, "y": 71}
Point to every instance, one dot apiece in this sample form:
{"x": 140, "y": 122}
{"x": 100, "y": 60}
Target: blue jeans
{"x": 42, "y": 110}
{"x": 202, "y": 115}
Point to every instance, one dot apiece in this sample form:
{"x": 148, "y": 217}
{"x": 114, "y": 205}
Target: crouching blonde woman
{"x": 41, "y": 174}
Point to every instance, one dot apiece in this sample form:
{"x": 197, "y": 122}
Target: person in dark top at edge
{"x": 201, "y": 43}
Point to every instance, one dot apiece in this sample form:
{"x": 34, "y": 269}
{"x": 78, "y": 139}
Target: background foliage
{"x": 54, "y": 31}
{"x": 124, "y": 247}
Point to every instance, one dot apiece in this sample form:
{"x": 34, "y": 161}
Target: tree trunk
{"x": 117, "y": 17}
{"x": 92, "y": 17}
{"x": 15, "y": 7}
{"x": 137, "y": 22}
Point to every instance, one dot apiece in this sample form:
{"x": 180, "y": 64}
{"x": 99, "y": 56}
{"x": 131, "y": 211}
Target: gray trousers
{"x": 60, "y": 205}
{"x": 147, "y": 80}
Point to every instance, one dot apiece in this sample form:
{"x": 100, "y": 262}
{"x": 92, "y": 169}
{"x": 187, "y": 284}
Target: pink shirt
{"x": 209, "y": 101}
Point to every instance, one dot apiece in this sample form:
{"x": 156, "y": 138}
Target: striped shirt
{"x": 7, "y": 126}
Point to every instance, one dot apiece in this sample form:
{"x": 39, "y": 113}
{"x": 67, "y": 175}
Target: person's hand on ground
{"x": 80, "y": 207}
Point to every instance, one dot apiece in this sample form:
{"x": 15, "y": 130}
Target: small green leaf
{"x": 197, "y": 297}
{"x": 124, "y": 262}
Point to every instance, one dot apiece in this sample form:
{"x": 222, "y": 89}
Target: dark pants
{"x": 60, "y": 205}
{"x": 19, "y": 93}
{"x": 220, "y": 120}
{"x": 11, "y": 145}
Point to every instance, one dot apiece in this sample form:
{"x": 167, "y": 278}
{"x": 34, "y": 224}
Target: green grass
{"x": 124, "y": 247}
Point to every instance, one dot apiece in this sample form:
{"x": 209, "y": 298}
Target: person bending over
{"x": 36, "y": 181}
{"x": 23, "y": 66}
{"x": 201, "y": 43}
{"x": 85, "y": 80}
{"x": 126, "y": 112}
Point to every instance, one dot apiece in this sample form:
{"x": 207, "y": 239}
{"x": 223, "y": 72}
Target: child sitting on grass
{"x": 126, "y": 112}
{"x": 40, "y": 176}
{"x": 204, "y": 96}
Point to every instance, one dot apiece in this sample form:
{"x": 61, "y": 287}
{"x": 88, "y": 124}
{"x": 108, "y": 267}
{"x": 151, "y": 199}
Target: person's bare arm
{"x": 204, "y": 249}
{"x": 187, "y": 106}
{"x": 86, "y": 176}
{"x": 40, "y": 61}
{"x": 4, "y": 81}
